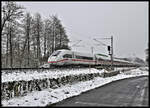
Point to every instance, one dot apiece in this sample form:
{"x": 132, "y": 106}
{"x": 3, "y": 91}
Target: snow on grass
{"x": 27, "y": 76}
{"x": 49, "y": 96}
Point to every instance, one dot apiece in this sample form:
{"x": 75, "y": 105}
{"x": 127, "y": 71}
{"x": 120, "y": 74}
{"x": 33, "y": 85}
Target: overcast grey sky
{"x": 127, "y": 22}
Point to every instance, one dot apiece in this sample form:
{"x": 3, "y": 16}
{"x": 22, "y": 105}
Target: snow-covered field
{"x": 49, "y": 96}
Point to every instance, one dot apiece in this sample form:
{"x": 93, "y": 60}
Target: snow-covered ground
{"x": 49, "y": 96}
{"x": 55, "y": 73}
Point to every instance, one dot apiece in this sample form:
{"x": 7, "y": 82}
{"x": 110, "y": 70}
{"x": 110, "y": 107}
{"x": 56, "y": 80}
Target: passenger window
{"x": 83, "y": 57}
{"x": 67, "y": 56}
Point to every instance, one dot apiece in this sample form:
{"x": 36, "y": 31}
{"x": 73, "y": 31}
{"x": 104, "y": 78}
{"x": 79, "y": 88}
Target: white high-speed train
{"x": 68, "y": 57}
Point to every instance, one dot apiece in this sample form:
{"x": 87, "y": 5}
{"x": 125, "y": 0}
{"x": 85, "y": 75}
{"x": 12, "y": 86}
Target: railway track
{"x": 25, "y": 70}
{"x": 71, "y": 66}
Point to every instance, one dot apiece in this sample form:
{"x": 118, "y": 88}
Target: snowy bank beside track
{"x": 21, "y": 83}
{"x": 27, "y": 75}
{"x": 49, "y": 96}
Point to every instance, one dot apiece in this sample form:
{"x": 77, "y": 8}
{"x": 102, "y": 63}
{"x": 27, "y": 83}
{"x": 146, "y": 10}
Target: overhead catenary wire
{"x": 84, "y": 42}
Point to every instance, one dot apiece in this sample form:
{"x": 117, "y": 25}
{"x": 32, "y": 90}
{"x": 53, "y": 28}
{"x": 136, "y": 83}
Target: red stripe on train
{"x": 72, "y": 60}
{"x": 83, "y": 60}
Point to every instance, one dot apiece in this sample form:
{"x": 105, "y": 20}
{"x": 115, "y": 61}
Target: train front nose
{"x": 52, "y": 60}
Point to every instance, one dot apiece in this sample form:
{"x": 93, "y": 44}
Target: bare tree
{"x": 10, "y": 12}
{"x": 27, "y": 30}
{"x": 60, "y": 39}
{"x": 12, "y": 32}
{"x": 47, "y": 38}
{"x": 37, "y": 28}
{"x": 22, "y": 45}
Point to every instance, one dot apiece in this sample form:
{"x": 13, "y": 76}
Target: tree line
{"x": 26, "y": 40}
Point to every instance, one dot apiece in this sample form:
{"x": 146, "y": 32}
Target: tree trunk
{"x": 11, "y": 53}
{"x": 45, "y": 44}
{"x": 7, "y": 49}
{"x": 28, "y": 39}
{"x": 60, "y": 39}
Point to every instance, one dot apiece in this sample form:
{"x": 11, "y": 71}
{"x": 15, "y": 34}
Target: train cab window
{"x": 67, "y": 56}
{"x": 56, "y": 53}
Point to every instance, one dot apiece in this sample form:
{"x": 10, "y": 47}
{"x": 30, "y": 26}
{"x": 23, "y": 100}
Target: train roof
{"x": 77, "y": 53}
{"x": 82, "y": 54}
{"x": 63, "y": 50}
{"x": 102, "y": 56}
{"x": 116, "y": 59}
{"x": 106, "y": 57}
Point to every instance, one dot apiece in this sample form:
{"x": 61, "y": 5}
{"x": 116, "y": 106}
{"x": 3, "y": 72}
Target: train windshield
{"x": 56, "y": 53}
